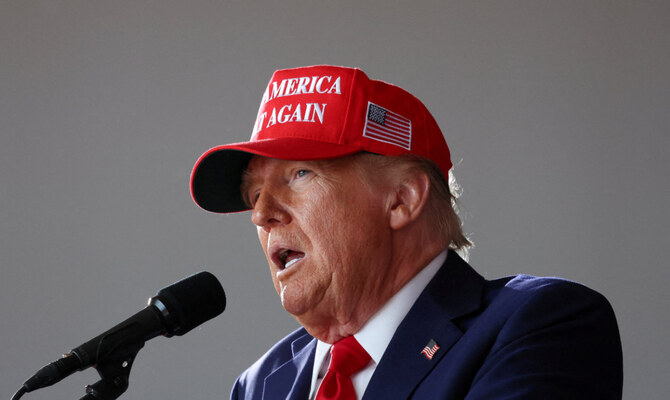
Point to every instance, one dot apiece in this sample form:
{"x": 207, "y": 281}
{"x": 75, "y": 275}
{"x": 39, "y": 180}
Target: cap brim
{"x": 217, "y": 175}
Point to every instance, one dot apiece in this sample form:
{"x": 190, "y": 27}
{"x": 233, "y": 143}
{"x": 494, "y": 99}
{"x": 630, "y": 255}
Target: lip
{"x": 284, "y": 273}
{"x": 276, "y": 250}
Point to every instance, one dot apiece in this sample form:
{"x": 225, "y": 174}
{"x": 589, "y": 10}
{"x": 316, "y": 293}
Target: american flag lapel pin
{"x": 430, "y": 349}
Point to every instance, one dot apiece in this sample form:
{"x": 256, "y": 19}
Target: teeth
{"x": 289, "y": 257}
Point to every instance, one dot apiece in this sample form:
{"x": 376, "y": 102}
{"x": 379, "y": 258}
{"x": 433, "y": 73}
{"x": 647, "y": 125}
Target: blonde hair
{"x": 442, "y": 203}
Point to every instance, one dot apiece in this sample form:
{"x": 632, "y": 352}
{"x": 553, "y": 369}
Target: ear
{"x": 410, "y": 199}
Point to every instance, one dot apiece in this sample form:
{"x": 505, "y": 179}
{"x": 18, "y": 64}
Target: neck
{"x": 412, "y": 250}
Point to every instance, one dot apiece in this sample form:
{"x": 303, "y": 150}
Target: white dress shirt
{"x": 376, "y": 334}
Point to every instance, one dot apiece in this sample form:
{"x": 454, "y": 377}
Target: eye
{"x": 251, "y": 198}
{"x": 255, "y": 196}
{"x": 301, "y": 173}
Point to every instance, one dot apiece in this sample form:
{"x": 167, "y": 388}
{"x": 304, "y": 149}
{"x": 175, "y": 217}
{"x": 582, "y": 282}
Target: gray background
{"x": 556, "y": 113}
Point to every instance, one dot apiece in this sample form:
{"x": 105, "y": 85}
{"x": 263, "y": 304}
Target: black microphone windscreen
{"x": 192, "y": 301}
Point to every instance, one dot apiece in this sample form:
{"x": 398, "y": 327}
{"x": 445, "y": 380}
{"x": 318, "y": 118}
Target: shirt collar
{"x": 376, "y": 334}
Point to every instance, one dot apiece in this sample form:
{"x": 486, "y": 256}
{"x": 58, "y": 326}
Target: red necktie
{"x": 346, "y": 358}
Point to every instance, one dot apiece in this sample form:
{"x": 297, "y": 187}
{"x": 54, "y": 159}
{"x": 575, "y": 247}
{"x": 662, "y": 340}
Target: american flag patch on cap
{"x": 389, "y": 127}
{"x": 430, "y": 349}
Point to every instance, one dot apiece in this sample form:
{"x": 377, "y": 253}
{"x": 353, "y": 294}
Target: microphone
{"x": 175, "y": 310}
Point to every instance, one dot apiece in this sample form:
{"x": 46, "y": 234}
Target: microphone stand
{"x": 114, "y": 371}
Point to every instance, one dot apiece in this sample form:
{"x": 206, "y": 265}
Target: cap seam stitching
{"x": 349, "y": 106}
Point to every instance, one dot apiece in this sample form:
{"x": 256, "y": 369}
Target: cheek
{"x": 349, "y": 240}
{"x": 262, "y": 239}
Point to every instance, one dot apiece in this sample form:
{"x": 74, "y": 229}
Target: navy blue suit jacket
{"x": 519, "y": 337}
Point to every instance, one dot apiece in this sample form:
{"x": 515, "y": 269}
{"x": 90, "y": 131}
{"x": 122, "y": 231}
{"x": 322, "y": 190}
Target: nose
{"x": 269, "y": 212}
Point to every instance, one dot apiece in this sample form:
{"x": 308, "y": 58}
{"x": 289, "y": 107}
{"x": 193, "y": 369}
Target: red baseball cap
{"x": 316, "y": 113}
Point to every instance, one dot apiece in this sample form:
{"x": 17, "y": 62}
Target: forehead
{"x": 260, "y": 167}
{"x": 259, "y": 163}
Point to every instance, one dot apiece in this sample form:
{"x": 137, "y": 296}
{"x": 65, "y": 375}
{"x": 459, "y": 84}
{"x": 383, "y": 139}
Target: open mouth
{"x": 288, "y": 257}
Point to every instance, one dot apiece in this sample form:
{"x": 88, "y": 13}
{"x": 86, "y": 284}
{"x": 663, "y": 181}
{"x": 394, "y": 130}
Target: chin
{"x": 295, "y": 307}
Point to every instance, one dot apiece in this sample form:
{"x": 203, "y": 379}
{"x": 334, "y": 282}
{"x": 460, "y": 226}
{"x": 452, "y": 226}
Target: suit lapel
{"x": 454, "y": 291}
{"x": 292, "y": 379}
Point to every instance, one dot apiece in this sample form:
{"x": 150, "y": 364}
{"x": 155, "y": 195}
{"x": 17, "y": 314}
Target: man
{"x": 346, "y": 180}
